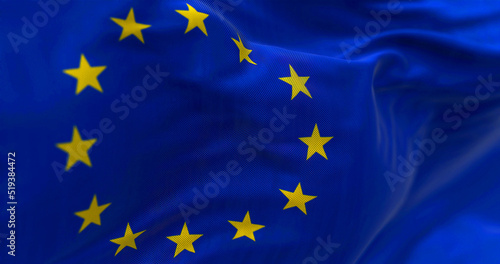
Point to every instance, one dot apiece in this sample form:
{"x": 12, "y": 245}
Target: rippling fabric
{"x": 408, "y": 90}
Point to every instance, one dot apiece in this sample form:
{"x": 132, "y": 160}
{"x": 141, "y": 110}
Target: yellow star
{"x": 128, "y": 240}
{"x": 77, "y": 149}
{"x": 184, "y": 240}
{"x": 244, "y": 52}
{"x": 297, "y": 199}
{"x": 297, "y": 83}
{"x": 130, "y": 27}
{"x": 86, "y": 75}
{"x": 315, "y": 143}
{"x": 245, "y": 228}
{"x": 93, "y": 214}
{"x": 195, "y": 19}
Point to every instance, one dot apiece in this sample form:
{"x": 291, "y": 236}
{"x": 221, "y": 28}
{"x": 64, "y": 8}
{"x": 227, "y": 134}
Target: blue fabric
{"x": 408, "y": 90}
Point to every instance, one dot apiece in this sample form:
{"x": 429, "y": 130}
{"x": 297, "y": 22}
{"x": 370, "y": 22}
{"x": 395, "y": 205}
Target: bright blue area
{"x": 376, "y": 99}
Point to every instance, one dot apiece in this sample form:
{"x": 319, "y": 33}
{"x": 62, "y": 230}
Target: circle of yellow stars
{"x": 78, "y": 149}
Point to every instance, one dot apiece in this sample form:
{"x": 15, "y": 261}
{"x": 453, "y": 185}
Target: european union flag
{"x": 238, "y": 131}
